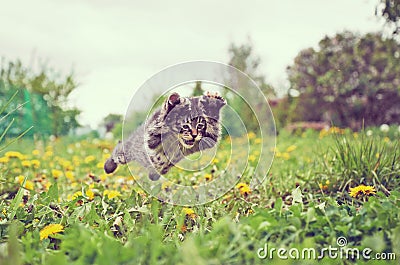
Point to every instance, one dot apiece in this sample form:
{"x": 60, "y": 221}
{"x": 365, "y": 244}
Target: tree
{"x": 242, "y": 57}
{"x": 349, "y": 79}
{"x": 390, "y": 11}
{"x": 111, "y": 120}
{"x": 197, "y": 90}
{"x": 44, "y": 96}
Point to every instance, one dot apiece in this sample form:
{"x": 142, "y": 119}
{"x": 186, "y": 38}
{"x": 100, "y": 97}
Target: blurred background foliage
{"x": 42, "y": 101}
{"x": 349, "y": 80}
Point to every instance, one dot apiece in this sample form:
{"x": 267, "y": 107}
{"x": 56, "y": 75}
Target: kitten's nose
{"x": 194, "y": 132}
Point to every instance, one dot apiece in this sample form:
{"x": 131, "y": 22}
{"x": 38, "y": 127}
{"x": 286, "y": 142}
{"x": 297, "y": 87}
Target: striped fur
{"x": 183, "y": 126}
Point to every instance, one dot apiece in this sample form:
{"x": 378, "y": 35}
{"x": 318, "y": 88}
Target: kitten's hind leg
{"x": 117, "y": 157}
{"x": 153, "y": 175}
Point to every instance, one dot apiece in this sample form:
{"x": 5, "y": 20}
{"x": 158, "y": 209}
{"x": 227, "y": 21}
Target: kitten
{"x": 182, "y": 126}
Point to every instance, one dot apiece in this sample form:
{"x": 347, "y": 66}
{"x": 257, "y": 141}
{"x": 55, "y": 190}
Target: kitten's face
{"x": 191, "y": 120}
{"x": 192, "y": 131}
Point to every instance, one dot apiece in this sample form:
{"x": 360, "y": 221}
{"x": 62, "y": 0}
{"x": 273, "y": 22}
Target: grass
{"x": 109, "y": 219}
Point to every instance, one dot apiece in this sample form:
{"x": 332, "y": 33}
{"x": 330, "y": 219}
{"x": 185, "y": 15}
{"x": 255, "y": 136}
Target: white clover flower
{"x": 384, "y": 128}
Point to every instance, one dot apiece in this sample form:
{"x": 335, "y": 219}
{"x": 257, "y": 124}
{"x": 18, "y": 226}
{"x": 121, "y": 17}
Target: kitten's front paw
{"x": 215, "y": 95}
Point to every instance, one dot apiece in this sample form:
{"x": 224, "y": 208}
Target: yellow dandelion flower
{"x": 240, "y": 185}
{"x": 189, "y": 212}
{"x": 369, "y": 190}
{"x": 323, "y": 133}
{"x": 56, "y": 173}
{"x": 251, "y": 135}
{"x": 35, "y": 163}
{"x": 14, "y": 154}
{"x": 99, "y": 165}
{"x": 166, "y": 185}
{"x": 245, "y": 191}
{"x": 285, "y": 155}
{"x": 35, "y": 152}
{"x": 70, "y": 175}
{"x": 324, "y": 186}
{"x": 208, "y": 177}
{"x": 74, "y": 196}
{"x": 20, "y": 179}
{"x": 51, "y": 229}
{"x": 111, "y": 194}
{"x": 48, "y": 154}
{"x": 141, "y": 193}
{"x": 47, "y": 185}
{"x": 215, "y": 161}
{"x": 76, "y": 160}
{"x": 89, "y": 159}
{"x": 291, "y": 148}
{"x": 258, "y": 141}
{"x": 362, "y": 190}
{"x": 29, "y": 185}
{"x": 49, "y": 148}
{"x": 131, "y": 178}
{"x": 336, "y": 130}
{"x": 4, "y": 160}
{"x": 90, "y": 194}
{"x": 26, "y": 163}
{"x": 106, "y": 156}
{"x": 252, "y": 158}
{"x": 243, "y": 188}
{"x": 67, "y": 165}
{"x": 103, "y": 177}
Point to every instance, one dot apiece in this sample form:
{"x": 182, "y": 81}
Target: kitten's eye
{"x": 185, "y": 127}
{"x": 200, "y": 126}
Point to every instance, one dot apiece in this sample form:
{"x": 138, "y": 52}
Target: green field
{"x": 57, "y": 206}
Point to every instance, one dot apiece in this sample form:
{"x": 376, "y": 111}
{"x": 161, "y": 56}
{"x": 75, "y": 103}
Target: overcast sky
{"x": 114, "y": 46}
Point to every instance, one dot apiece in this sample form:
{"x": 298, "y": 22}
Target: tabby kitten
{"x": 182, "y": 126}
